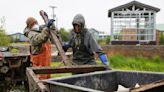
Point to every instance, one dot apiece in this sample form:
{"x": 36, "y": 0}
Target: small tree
{"x": 4, "y": 39}
{"x": 107, "y": 39}
{"x": 64, "y": 35}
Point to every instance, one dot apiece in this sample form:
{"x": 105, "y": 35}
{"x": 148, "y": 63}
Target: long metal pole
{"x": 53, "y": 13}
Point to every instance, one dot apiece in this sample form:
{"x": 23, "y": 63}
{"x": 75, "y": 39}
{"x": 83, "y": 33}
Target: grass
{"x": 58, "y": 64}
{"x": 14, "y": 50}
{"x": 155, "y": 64}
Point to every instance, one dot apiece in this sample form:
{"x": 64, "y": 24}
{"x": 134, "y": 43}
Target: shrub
{"x": 64, "y": 35}
{"x": 4, "y": 39}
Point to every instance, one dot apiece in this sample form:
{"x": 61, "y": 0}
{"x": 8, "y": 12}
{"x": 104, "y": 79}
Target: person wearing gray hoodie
{"x": 83, "y": 44}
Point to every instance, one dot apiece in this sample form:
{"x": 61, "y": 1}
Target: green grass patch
{"x": 14, "y": 50}
{"x": 155, "y": 64}
{"x": 58, "y": 64}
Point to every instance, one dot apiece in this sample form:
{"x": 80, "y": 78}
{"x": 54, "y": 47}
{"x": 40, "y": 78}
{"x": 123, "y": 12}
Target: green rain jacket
{"x": 83, "y": 44}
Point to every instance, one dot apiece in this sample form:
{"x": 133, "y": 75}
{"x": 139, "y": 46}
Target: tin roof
{"x": 129, "y": 6}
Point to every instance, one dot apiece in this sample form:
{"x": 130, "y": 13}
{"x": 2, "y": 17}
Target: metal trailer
{"x": 99, "y": 81}
{"x": 36, "y": 85}
{"x": 12, "y": 68}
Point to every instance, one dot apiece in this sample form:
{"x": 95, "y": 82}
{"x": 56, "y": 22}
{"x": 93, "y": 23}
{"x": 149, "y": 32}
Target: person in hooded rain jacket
{"x": 83, "y": 44}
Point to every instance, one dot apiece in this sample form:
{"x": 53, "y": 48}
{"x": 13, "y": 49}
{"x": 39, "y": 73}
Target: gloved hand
{"x": 50, "y": 23}
{"x": 104, "y": 59}
{"x": 66, "y": 45}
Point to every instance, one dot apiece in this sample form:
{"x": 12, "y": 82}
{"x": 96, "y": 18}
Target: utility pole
{"x": 2, "y": 24}
{"x": 53, "y": 14}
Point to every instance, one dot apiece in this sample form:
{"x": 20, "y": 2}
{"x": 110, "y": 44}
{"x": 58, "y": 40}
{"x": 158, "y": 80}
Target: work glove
{"x": 104, "y": 59}
{"x": 66, "y": 46}
{"x": 50, "y": 23}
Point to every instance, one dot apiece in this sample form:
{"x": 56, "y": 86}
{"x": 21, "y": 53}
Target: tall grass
{"x": 155, "y": 64}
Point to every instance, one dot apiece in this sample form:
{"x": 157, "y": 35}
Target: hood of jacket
{"x": 79, "y": 19}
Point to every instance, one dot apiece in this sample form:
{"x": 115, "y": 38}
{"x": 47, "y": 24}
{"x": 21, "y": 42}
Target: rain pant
{"x": 40, "y": 48}
{"x": 42, "y": 59}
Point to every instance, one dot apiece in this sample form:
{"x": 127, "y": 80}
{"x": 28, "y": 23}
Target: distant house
{"x": 94, "y": 32}
{"x": 97, "y": 34}
{"x": 18, "y": 37}
{"x": 103, "y": 35}
{"x": 133, "y": 23}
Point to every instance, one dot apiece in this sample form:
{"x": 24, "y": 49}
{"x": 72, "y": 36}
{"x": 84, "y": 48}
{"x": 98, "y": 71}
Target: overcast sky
{"x": 94, "y": 11}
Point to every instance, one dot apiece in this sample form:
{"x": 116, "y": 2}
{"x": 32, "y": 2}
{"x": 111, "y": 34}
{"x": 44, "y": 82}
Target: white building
{"x": 133, "y": 23}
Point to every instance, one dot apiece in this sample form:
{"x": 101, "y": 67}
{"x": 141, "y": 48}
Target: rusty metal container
{"x": 36, "y": 85}
{"x": 104, "y": 81}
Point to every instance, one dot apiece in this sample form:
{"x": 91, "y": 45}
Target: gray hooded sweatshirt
{"x": 84, "y": 45}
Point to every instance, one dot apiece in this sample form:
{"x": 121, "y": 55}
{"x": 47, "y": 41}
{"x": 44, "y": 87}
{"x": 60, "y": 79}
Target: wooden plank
{"x": 60, "y": 49}
{"x": 35, "y": 85}
{"x": 67, "y": 69}
{"x": 148, "y": 86}
{"x": 55, "y": 40}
